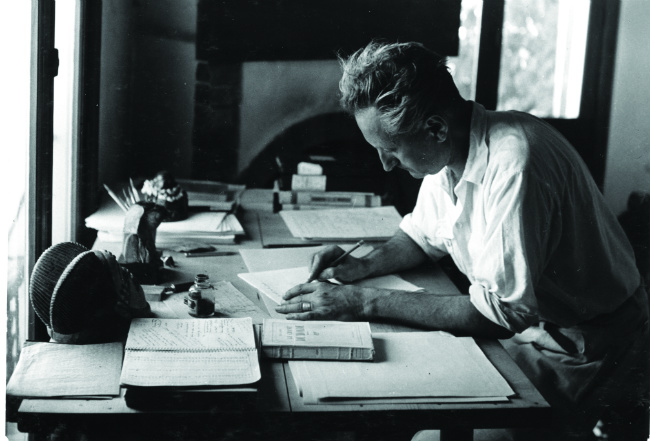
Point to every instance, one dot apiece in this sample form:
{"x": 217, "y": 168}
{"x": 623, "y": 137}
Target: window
{"x": 542, "y": 57}
{"x": 464, "y": 66}
{"x": 551, "y": 58}
{"x": 15, "y": 115}
{"x": 63, "y": 138}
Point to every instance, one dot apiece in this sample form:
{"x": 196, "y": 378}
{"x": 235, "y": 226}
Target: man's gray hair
{"x": 406, "y": 82}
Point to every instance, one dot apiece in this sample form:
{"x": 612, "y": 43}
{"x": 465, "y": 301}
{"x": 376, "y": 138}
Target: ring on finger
{"x": 305, "y": 306}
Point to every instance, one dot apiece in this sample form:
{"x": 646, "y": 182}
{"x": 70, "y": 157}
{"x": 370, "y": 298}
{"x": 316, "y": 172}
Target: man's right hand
{"x": 349, "y": 270}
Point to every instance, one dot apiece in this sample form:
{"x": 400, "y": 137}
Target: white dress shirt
{"x": 545, "y": 258}
{"x": 529, "y": 227}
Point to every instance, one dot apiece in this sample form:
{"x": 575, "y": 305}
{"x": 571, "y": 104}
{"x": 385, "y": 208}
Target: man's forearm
{"x": 398, "y": 254}
{"x": 452, "y": 313}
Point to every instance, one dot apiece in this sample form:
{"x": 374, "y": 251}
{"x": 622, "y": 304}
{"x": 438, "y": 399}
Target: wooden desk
{"x": 278, "y": 411}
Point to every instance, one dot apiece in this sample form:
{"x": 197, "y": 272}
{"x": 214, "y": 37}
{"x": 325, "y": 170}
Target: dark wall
{"x": 147, "y": 88}
{"x": 160, "y": 111}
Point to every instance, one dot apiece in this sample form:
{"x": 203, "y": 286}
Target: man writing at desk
{"x": 514, "y": 205}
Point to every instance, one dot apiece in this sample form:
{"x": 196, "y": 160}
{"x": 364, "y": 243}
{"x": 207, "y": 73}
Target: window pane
{"x": 542, "y": 56}
{"x": 464, "y": 66}
{"x": 14, "y": 81}
{"x": 64, "y": 158}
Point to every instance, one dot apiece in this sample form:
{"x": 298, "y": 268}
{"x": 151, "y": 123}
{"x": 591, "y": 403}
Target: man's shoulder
{"x": 507, "y": 141}
{"x": 507, "y": 127}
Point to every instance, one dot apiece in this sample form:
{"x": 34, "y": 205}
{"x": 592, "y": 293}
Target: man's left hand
{"x": 323, "y": 301}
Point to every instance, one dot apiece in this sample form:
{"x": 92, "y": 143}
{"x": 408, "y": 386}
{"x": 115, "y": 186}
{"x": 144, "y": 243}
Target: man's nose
{"x": 388, "y": 161}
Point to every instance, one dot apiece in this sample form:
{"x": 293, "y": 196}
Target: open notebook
{"x": 190, "y": 352}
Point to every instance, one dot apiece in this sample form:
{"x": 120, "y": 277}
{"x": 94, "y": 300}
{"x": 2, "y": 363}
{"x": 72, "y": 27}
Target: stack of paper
{"x": 417, "y": 367}
{"x": 207, "y": 226}
{"x": 373, "y": 223}
{"x": 218, "y": 196}
{"x": 62, "y": 370}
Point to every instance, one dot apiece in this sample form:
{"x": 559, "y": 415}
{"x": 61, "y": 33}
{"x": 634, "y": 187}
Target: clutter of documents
{"x": 206, "y": 226}
{"x": 217, "y": 196}
{"x": 190, "y": 352}
{"x": 425, "y": 367}
{"x": 341, "y": 224}
{"x": 327, "y": 340}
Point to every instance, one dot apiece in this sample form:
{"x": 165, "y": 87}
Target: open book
{"x": 190, "y": 352}
{"x": 327, "y": 340}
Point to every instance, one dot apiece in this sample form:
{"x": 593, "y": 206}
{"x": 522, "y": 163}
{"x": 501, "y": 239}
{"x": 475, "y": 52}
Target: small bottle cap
{"x": 201, "y": 278}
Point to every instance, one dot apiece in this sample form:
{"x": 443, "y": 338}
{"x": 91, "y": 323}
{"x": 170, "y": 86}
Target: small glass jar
{"x": 192, "y": 301}
{"x": 200, "y": 297}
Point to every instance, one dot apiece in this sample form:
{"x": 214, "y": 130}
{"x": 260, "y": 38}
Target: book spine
{"x": 316, "y": 353}
{"x": 310, "y": 207}
{"x": 329, "y": 199}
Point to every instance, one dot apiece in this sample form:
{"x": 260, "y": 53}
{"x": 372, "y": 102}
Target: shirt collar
{"x": 477, "y": 156}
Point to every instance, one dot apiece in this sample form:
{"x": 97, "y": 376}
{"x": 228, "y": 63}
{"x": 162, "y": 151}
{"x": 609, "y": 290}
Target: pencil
{"x": 134, "y": 191}
{"x": 210, "y": 253}
{"x": 115, "y": 198}
{"x": 346, "y": 254}
{"x": 338, "y": 259}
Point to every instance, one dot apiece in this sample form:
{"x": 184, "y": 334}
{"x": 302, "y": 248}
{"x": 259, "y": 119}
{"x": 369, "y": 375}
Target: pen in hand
{"x": 339, "y": 259}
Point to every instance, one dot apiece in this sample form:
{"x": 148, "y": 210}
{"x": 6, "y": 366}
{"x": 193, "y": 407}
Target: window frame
{"x": 44, "y": 67}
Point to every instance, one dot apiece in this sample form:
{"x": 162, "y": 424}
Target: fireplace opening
{"x": 333, "y": 141}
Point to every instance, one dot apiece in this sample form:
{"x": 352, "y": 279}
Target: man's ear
{"x": 437, "y": 127}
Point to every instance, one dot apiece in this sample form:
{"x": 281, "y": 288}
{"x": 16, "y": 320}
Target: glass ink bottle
{"x": 200, "y": 297}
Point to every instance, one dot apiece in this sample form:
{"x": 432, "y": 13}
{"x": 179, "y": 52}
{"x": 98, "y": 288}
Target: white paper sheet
{"x": 267, "y": 259}
{"x": 343, "y": 224}
{"x": 111, "y": 219}
{"x": 190, "y": 334}
{"x": 160, "y": 368}
{"x": 229, "y": 302}
{"x": 407, "y": 365}
{"x": 274, "y": 284}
